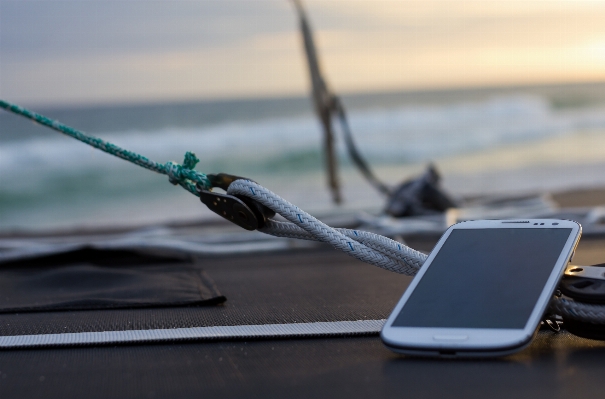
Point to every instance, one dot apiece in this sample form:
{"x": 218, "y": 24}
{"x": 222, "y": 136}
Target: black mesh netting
{"x": 301, "y": 286}
{"x": 293, "y": 287}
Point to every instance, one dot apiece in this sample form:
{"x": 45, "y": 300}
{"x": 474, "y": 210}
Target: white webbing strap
{"x": 292, "y": 330}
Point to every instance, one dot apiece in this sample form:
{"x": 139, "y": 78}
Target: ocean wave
{"x": 59, "y": 169}
{"x": 397, "y": 135}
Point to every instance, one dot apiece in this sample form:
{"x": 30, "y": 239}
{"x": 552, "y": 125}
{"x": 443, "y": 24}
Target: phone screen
{"x": 484, "y": 278}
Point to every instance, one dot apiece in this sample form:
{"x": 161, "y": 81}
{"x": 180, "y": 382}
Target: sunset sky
{"x": 91, "y": 52}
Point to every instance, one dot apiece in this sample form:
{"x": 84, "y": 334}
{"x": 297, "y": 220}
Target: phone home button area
{"x": 450, "y": 337}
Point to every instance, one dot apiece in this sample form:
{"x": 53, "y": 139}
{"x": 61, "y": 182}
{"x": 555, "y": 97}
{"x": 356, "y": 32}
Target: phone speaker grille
{"x": 517, "y": 221}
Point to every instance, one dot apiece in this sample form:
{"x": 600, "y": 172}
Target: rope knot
{"x": 173, "y": 170}
{"x": 190, "y": 160}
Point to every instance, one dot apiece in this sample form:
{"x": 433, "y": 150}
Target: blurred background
{"x": 504, "y": 96}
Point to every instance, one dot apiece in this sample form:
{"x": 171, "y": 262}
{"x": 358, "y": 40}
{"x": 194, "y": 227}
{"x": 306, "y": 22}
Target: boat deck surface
{"x": 296, "y": 286}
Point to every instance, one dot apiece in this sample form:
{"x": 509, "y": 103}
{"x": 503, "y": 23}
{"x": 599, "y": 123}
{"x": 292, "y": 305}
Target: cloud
{"x": 91, "y": 52}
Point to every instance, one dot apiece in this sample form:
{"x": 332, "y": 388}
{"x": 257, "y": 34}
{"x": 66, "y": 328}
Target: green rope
{"x": 183, "y": 175}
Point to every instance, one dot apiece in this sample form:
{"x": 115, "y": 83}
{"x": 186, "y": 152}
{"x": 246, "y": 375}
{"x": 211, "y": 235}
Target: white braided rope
{"x": 578, "y": 311}
{"x": 386, "y": 246}
{"x": 372, "y": 248}
{"x": 322, "y": 232}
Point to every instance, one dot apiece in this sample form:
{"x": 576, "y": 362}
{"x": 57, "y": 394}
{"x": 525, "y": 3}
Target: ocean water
{"x": 491, "y": 140}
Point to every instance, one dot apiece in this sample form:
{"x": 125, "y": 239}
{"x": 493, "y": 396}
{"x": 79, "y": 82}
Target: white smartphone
{"x": 483, "y": 289}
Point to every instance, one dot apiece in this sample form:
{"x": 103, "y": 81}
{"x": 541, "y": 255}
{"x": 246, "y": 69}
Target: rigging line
{"x": 322, "y": 99}
{"x": 183, "y": 175}
{"x": 328, "y": 105}
{"x": 391, "y": 248}
{"x": 355, "y": 155}
{"x": 408, "y": 265}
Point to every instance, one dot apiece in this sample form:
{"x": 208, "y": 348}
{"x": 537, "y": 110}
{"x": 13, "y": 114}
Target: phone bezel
{"x": 480, "y": 342}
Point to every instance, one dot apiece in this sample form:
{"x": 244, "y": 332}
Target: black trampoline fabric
{"x": 103, "y": 279}
{"x": 288, "y": 287}
{"x": 292, "y": 287}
